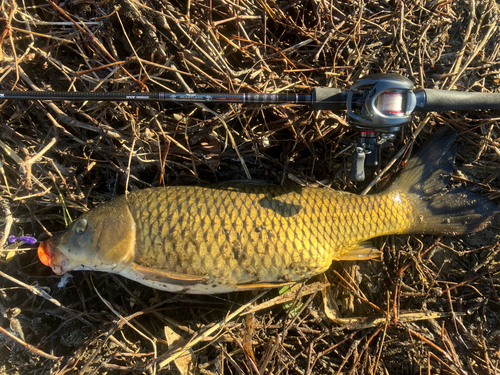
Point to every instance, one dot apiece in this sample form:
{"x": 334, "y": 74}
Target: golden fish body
{"x": 235, "y": 236}
{"x": 245, "y": 235}
{"x": 240, "y": 236}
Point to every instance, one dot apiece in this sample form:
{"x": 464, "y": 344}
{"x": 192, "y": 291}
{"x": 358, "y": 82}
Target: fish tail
{"x": 440, "y": 210}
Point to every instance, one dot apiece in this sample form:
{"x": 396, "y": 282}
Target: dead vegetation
{"x": 432, "y": 305}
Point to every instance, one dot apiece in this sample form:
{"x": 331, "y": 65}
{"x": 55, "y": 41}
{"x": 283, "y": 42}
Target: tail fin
{"x": 442, "y": 211}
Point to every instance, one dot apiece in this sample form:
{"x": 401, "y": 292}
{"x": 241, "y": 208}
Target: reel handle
{"x": 358, "y": 164}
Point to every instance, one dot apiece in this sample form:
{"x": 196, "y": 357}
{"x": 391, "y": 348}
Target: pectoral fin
{"x": 167, "y": 276}
{"x": 364, "y": 251}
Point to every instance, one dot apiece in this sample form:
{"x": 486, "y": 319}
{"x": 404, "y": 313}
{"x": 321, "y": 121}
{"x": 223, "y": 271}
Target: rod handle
{"x": 444, "y": 100}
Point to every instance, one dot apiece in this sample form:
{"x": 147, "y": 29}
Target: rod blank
{"x": 159, "y": 97}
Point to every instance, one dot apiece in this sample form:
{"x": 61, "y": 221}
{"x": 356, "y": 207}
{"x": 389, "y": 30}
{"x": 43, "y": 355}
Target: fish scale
{"x": 253, "y": 233}
{"x": 246, "y": 235}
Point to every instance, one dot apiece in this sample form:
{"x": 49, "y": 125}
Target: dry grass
{"x": 432, "y": 306}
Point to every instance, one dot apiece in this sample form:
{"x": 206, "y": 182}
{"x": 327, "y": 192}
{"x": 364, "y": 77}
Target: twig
{"x": 441, "y": 351}
{"x": 29, "y": 347}
{"x": 474, "y": 278}
{"x": 131, "y": 45}
{"x": 128, "y": 166}
{"x": 491, "y": 29}
{"x": 43, "y": 35}
{"x": 13, "y": 46}
{"x": 26, "y": 165}
{"x": 9, "y": 220}
{"x": 126, "y": 321}
{"x": 100, "y": 47}
{"x": 230, "y": 135}
{"x": 284, "y": 298}
{"x": 177, "y": 352}
{"x": 41, "y": 293}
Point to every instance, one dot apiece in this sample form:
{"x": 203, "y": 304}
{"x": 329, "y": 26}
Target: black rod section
{"x": 251, "y": 98}
{"x": 444, "y": 100}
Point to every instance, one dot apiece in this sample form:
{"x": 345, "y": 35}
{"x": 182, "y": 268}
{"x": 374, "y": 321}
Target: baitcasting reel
{"x": 378, "y": 106}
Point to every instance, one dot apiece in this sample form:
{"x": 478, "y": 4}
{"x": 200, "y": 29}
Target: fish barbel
{"x": 247, "y": 235}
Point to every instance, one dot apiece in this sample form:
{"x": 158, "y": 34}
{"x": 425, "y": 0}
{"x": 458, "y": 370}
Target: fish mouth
{"x": 50, "y": 256}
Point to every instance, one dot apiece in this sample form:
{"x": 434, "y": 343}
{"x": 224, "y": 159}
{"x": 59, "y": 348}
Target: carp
{"x": 245, "y": 235}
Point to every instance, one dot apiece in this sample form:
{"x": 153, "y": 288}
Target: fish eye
{"x": 81, "y": 226}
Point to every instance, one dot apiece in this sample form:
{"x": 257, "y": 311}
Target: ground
{"x": 430, "y": 306}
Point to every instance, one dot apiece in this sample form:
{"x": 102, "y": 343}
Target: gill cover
{"x": 102, "y": 239}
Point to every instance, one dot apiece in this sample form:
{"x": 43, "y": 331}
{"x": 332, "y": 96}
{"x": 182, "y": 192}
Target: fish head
{"x": 102, "y": 239}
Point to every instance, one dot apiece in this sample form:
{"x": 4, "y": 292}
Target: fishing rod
{"x": 377, "y": 105}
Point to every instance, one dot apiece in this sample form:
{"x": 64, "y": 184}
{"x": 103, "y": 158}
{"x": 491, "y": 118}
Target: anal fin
{"x": 364, "y": 251}
{"x": 167, "y": 277}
